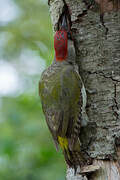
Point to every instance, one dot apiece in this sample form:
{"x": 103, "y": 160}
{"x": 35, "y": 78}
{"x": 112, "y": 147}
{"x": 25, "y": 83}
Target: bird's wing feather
{"x": 60, "y": 96}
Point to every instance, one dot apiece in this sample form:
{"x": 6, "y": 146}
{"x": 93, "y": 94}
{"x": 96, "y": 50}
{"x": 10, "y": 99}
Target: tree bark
{"x": 96, "y": 31}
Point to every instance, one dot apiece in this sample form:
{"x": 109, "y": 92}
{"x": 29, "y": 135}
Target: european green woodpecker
{"x": 63, "y": 97}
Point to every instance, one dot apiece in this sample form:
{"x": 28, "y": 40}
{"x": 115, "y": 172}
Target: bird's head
{"x": 61, "y": 40}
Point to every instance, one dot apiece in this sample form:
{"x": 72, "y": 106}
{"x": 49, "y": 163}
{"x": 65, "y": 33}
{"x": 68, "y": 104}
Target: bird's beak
{"x": 64, "y": 25}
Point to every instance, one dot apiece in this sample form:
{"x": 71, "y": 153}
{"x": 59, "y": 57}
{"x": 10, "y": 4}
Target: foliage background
{"x": 26, "y": 48}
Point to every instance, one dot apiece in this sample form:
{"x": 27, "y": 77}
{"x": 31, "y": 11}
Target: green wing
{"x": 60, "y": 95}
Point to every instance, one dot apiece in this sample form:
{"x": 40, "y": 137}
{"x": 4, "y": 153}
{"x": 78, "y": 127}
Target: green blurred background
{"x": 26, "y": 48}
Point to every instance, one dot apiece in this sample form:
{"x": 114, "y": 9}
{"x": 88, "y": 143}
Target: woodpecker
{"x": 63, "y": 97}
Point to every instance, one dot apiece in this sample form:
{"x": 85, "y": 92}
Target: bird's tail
{"x": 73, "y": 158}
{"x": 63, "y": 142}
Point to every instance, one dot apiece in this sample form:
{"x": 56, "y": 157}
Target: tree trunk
{"x": 96, "y": 30}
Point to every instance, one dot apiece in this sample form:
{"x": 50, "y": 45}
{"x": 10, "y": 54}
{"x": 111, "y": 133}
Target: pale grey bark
{"x": 98, "y": 57}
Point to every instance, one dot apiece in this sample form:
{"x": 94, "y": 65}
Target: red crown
{"x": 60, "y": 45}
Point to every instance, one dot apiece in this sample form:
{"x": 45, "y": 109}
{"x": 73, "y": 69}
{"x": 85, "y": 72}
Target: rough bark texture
{"x": 98, "y": 56}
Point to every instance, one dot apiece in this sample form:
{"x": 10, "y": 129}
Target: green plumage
{"x": 60, "y": 91}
